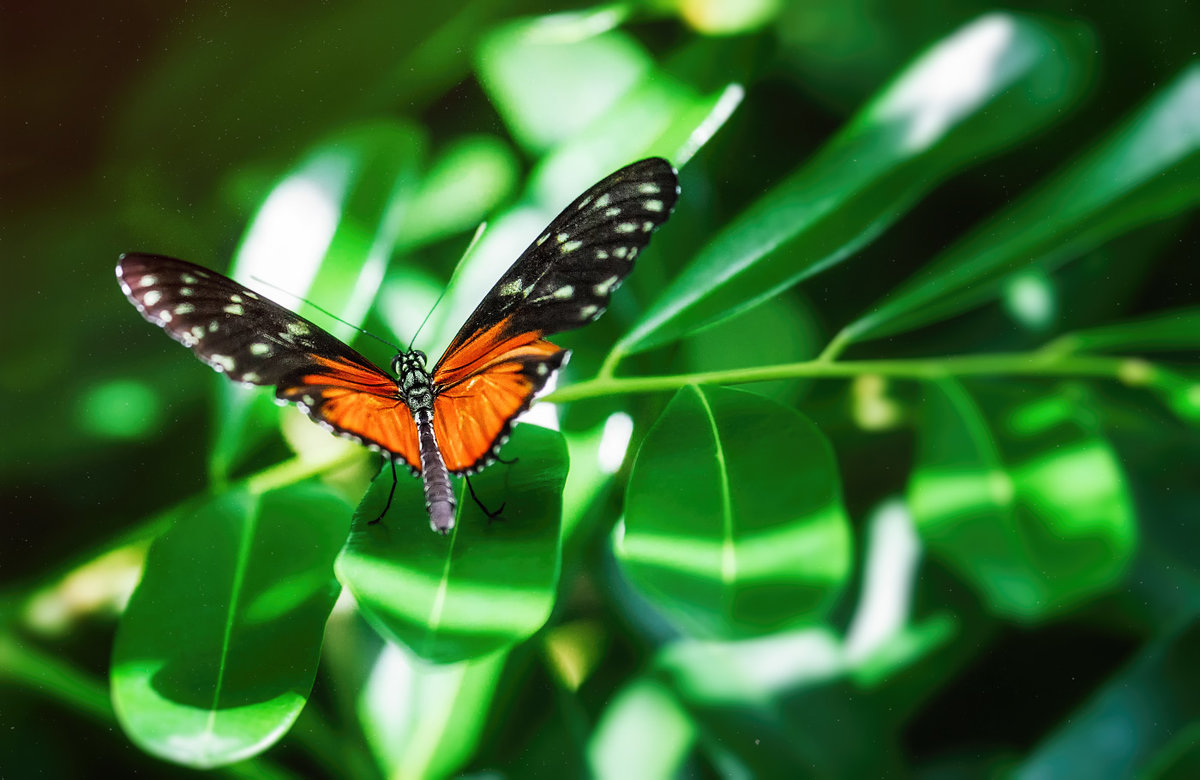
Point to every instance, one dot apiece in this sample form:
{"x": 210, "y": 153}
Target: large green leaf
{"x": 1034, "y": 511}
{"x": 329, "y": 226}
{"x": 972, "y": 95}
{"x": 487, "y": 585}
{"x": 734, "y": 523}
{"x": 216, "y": 653}
{"x": 1145, "y": 170}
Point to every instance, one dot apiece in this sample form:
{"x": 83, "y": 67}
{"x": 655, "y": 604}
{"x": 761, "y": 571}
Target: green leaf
{"x": 1142, "y": 723}
{"x": 734, "y": 523}
{"x": 422, "y": 720}
{"x": 218, "y": 647}
{"x": 972, "y": 95}
{"x": 551, "y": 76}
{"x": 329, "y": 226}
{"x": 465, "y": 183}
{"x": 1035, "y": 513}
{"x": 1178, "y": 329}
{"x": 489, "y": 584}
{"x": 1145, "y": 170}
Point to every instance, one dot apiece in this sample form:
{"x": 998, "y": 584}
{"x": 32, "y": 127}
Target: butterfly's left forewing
{"x": 254, "y": 340}
{"x": 562, "y": 281}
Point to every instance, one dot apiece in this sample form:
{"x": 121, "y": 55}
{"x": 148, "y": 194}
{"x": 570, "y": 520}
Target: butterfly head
{"x": 408, "y": 362}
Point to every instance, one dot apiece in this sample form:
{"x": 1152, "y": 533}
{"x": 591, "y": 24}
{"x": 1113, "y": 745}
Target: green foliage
{"x": 968, "y": 550}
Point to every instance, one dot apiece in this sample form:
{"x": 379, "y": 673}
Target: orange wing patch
{"x": 358, "y": 402}
{"x": 472, "y": 416}
{"x": 485, "y": 347}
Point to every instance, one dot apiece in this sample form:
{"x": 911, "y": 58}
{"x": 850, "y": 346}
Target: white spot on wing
{"x": 561, "y": 237}
{"x": 152, "y": 297}
{"x": 259, "y": 348}
{"x": 512, "y": 288}
{"x": 235, "y": 308}
{"x": 648, "y": 188}
{"x": 185, "y": 291}
{"x": 297, "y": 328}
{"x": 614, "y": 211}
{"x": 653, "y": 205}
{"x": 235, "y": 298}
{"x": 609, "y": 284}
{"x": 184, "y": 308}
{"x": 222, "y": 362}
{"x": 626, "y": 227}
{"x": 571, "y": 246}
{"x": 149, "y": 280}
{"x": 603, "y": 201}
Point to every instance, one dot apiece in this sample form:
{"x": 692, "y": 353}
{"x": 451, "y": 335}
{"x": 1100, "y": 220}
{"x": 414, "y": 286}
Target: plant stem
{"x": 1130, "y": 370}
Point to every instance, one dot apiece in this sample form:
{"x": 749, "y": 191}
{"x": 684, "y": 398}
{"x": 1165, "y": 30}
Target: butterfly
{"x": 451, "y": 418}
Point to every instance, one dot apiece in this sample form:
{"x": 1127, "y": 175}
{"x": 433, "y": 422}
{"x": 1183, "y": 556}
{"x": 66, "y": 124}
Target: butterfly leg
{"x": 491, "y": 515}
{"x": 391, "y": 495}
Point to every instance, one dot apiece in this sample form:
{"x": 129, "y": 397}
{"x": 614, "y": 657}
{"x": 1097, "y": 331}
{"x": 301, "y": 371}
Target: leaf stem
{"x": 1130, "y": 370}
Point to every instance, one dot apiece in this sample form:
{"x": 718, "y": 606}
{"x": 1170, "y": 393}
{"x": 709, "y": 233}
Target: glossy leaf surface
{"x": 486, "y": 585}
{"x": 217, "y": 650}
{"x": 734, "y": 521}
{"x": 1024, "y": 500}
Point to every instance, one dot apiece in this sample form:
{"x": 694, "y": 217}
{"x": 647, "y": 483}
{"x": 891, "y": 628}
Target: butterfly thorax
{"x": 414, "y": 381}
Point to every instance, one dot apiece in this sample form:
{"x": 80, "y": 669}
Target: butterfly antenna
{"x": 453, "y": 276}
{"x": 326, "y": 312}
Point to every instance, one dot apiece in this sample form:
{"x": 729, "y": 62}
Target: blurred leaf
{"x": 779, "y": 701}
{"x": 1146, "y": 170}
{"x": 550, "y": 76}
{"x": 325, "y": 232}
{"x": 643, "y": 732}
{"x": 422, "y": 720}
{"x": 217, "y": 650}
{"x": 1178, "y": 329}
{"x": 1034, "y": 512}
{"x": 780, "y": 330}
{"x": 1140, "y": 724}
{"x": 734, "y": 523}
{"x": 465, "y": 183}
{"x": 487, "y": 585}
{"x": 661, "y": 116}
{"x": 972, "y": 95}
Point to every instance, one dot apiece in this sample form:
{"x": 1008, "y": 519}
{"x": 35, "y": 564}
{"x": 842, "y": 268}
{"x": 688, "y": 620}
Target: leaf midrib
{"x": 728, "y": 547}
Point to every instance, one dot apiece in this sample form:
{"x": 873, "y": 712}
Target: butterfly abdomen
{"x": 439, "y": 496}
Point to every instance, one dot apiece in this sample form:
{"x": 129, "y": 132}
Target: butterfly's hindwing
{"x": 472, "y": 420}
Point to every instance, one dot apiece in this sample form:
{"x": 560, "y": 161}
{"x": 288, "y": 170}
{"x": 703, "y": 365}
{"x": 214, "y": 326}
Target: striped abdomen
{"x": 439, "y": 495}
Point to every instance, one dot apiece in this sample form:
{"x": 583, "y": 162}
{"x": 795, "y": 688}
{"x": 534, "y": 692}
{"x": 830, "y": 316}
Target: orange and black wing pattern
{"x": 256, "y": 341}
{"x": 500, "y": 359}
